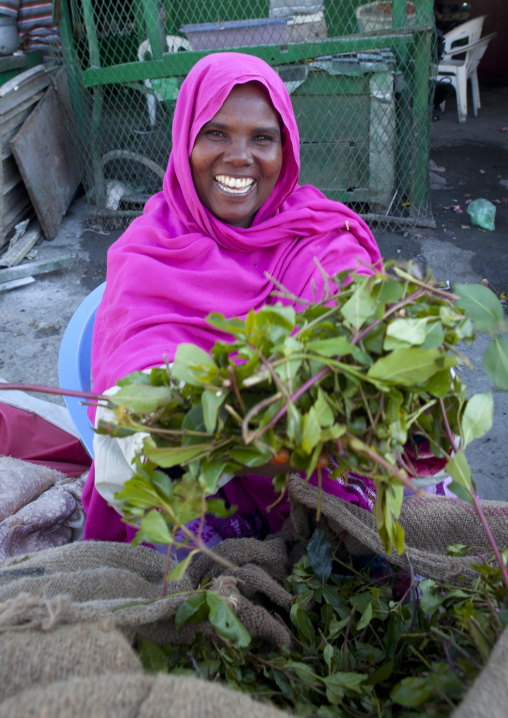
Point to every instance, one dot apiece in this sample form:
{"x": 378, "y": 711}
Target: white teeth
{"x": 234, "y": 185}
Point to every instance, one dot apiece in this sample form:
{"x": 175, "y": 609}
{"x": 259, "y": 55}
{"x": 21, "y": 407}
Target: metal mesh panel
{"x": 359, "y": 76}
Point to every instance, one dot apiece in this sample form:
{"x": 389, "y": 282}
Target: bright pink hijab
{"x": 177, "y": 263}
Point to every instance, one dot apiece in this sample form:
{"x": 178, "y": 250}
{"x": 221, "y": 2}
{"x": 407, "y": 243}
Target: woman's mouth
{"x": 234, "y": 185}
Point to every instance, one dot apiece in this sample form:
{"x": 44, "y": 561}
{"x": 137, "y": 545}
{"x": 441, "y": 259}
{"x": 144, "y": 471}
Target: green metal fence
{"x": 358, "y": 76}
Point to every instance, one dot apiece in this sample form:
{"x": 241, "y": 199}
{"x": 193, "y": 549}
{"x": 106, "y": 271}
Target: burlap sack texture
{"x": 69, "y": 615}
{"x": 431, "y": 524}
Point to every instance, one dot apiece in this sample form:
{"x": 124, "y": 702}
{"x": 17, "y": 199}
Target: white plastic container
{"x": 376, "y": 16}
{"x": 9, "y": 40}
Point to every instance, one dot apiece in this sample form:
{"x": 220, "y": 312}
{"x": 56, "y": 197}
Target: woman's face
{"x": 237, "y": 156}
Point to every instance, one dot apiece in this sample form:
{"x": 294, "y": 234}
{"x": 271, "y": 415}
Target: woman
{"x": 230, "y": 215}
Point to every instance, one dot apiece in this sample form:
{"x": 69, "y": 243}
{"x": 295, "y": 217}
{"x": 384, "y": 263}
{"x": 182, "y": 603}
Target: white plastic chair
{"x": 174, "y": 43}
{"x": 458, "y": 71}
{"x": 464, "y": 34}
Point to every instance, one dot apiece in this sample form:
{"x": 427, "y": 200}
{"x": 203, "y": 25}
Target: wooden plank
{"x": 46, "y": 159}
{"x": 18, "y": 251}
{"x": 40, "y": 267}
{"x": 9, "y": 175}
{"x": 23, "y": 92}
{"x": 23, "y": 109}
{"x": 20, "y": 209}
{"x": 14, "y": 124}
{"x": 15, "y": 283}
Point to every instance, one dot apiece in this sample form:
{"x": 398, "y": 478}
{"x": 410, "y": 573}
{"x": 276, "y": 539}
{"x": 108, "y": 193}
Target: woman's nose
{"x": 238, "y": 152}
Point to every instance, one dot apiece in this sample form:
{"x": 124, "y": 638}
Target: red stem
{"x": 51, "y": 390}
{"x": 490, "y": 537}
{"x": 477, "y": 504}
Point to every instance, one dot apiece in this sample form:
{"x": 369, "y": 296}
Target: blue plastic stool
{"x": 75, "y": 360}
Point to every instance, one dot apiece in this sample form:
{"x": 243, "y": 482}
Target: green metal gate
{"x": 358, "y": 76}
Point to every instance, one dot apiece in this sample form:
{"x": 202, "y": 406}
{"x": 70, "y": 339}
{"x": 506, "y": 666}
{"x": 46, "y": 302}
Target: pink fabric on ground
{"x": 27, "y": 436}
{"x": 177, "y": 263}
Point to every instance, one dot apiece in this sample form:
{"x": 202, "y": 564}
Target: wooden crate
{"x": 18, "y": 98}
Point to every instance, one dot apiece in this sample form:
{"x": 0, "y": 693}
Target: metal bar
{"x": 98, "y": 170}
{"x": 177, "y": 64}
{"x": 399, "y": 14}
{"x": 421, "y": 123}
{"x": 154, "y": 27}
{"x": 73, "y": 72}
{"x": 91, "y": 34}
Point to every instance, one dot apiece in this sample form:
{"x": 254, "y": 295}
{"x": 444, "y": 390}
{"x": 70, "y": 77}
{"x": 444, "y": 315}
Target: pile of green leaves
{"x": 366, "y": 641}
{"x": 356, "y": 375}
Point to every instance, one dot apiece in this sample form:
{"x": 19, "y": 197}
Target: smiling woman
{"x": 237, "y": 156}
{"x": 230, "y": 223}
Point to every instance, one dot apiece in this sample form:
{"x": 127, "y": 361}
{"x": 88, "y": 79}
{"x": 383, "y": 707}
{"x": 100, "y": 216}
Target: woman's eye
{"x": 214, "y": 133}
{"x": 263, "y": 138}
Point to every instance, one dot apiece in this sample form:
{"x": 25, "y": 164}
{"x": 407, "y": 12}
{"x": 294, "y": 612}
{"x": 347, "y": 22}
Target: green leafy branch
{"x": 362, "y": 377}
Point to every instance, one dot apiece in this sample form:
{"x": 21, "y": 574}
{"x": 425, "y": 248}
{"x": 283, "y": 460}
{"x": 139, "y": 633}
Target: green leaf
{"x": 328, "y": 654}
{"x": 173, "y": 456}
{"x": 410, "y": 331}
{"x": 495, "y": 362}
{"x": 210, "y": 473}
{"x": 233, "y": 326}
{"x": 192, "y": 364}
{"x": 303, "y": 623}
{"x": 338, "y": 683}
{"x": 152, "y": 656}
{"x": 434, "y": 336}
{"x": 154, "y": 525}
{"x": 142, "y": 398}
{"x": 411, "y": 366}
{"x": 225, "y": 621}
{"x": 481, "y": 305}
{"x": 211, "y": 402}
{"x": 179, "y": 570}
{"x": 137, "y": 377}
{"x": 310, "y": 433}
{"x": 411, "y": 692}
{"x": 332, "y": 347}
{"x": 163, "y": 483}
{"x": 478, "y": 417}
{"x": 278, "y": 315}
{"x": 359, "y": 307}
{"x": 391, "y": 291}
{"x": 365, "y": 618}
{"x": 432, "y": 596}
{"x": 321, "y": 411}
{"x": 194, "y": 610}
{"x": 439, "y": 385}
{"x": 250, "y": 455}
{"x": 320, "y": 553}
{"x": 382, "y": 674}
{"x": 459, "y": 470}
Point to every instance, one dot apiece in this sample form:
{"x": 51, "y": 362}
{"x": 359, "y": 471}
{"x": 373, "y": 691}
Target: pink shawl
{"x": 177, "y": 263}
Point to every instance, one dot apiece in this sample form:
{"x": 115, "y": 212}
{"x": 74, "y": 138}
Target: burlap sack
{"x": 91, "y": 581}
{"x": 130, "y": 695}
{"x": 87, "y": 670}
{"x": 112, "y": 587}
{"x": 431, "y": 524}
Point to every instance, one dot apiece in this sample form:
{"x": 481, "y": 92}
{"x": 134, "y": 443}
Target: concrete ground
{"x": 473, "y": 162}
